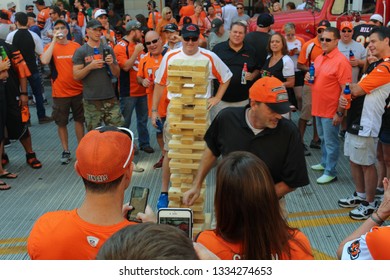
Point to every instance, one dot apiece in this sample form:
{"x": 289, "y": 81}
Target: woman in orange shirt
{"x": 250, "y": 224}
{"x": 167, "y": 17}
{"x": 198, "y": 19}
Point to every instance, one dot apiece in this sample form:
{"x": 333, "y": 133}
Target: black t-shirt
{"x": 276, "y": 70}
{"x": 24, "y": 42}
{"x": 235, "y": 61}
{"x": 259, "y": 41}
{"x": 360, "y": 33}
{"x": 280, "y": 148}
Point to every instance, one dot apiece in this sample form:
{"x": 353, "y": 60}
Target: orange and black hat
{"x": 346, "y": 25}
{"x": 103, "y": 155}
{"x": 271, "y": 91}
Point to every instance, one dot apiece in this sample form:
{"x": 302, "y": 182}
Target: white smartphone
{"x": 177, "y": 217}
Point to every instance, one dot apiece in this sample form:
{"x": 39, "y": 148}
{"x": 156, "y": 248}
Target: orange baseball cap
{"x": 346, "y": 24}
{"x": 271, "y": 91}
{"x": 103, "y": 154}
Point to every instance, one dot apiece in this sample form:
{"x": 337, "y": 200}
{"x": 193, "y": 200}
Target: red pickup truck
{"x": 335, "y": 11}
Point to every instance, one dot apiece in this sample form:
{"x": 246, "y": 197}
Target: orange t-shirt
{"x": 157, "y": 17}
{"x": 377, "y": 78}
{"x": 63, "y": 235}
{"x": 43, "y": 15}
{"x": 332, "y": 71}
{"x": 123, "y": 51}
{"x": 147, "y": 67}
{"x": 200, "y": 22}
{"x": 217, "y": 9}
{"x": 310, "y": 51}
{"x": 232, "y": 251}
{"x": 63, "y": 83}
{"x": 187, "y": 11}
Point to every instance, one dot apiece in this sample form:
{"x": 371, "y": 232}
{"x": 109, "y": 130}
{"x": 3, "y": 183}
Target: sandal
{"x": 4, "y": 159}
{"x": 8, "y": 175}
{"x": 32, "y": 160}
{"x": 4, "y": 186}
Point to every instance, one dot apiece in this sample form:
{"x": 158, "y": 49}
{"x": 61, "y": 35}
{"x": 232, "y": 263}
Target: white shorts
{"x": 360, "y": 150}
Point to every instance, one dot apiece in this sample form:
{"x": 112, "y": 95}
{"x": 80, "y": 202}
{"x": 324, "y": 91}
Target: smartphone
{"x": 106, "y": 52}
{"x": 139, "y": 200}
{"x": 177, "y": 217}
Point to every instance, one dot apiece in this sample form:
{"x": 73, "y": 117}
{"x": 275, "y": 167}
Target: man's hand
{"x": 148, "y": 216}
{"x": 138, "y": 48}
{"x": 155, "y": 116}
{"x": 343, "y": 102}
{"x": 190, "y": 196}
{"x": 5, "y": 65}
{"x": 109, "y": 59}
{"x": 212, "y": 101}
{"x": 23, "y": 100}
{"x": 354, "y": 62}
{"x": 249, "y": 76}
{"x": 96, "y": 64}
{"x": 336, "y": 119}
{"x": 146, "y": 82}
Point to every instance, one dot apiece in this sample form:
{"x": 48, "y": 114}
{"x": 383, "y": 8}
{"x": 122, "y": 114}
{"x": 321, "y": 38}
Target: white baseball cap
{"x": 99, "y": 13}
{"x": 377, "y": 17}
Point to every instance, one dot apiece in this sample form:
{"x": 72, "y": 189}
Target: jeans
{"x": 141, "y": 109}
{"x": 330, "y": 144}
{"x": 36, "y": 86}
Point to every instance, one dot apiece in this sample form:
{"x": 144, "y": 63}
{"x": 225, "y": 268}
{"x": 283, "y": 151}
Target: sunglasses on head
{"x": 326, "y": 40}
{"x": 319, "y": 31}
{"x": 152, "y": 42}
{"x": 193, "y": 39}
{"x": 126, "y": 131}
{"x": 346, "y": 30}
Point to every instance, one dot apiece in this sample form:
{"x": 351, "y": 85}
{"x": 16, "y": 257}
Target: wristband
{"x": 378, "y": 221}
{"x": 154, "y": 110}
{"x": 24, "y": 93}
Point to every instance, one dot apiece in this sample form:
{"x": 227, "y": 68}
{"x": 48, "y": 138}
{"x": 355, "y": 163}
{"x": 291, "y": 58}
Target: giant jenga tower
{"x": 188, "y": 122}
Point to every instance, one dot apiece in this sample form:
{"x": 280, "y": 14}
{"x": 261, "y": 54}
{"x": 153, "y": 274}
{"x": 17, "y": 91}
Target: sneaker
{"x": 45, "y": 119}
{"x": 159, "y": 163}
{"x": 379, "y": 192}
{"x": 137, "y": 168}
{"x": 325, "y": 179}
{"x": 306, "y": 151}
{"x": 65, "y": 158}
{"x": 309, "y": 123}
{"x": 318, "y": 167}
{"x": 45, "y": 102}
{"x": 315, "y": 144}
{"x": 162, "y": 201}
{"x": 147, "y": 149}
{"x": 352, "y": 201}
{"x": 363, "y": 211}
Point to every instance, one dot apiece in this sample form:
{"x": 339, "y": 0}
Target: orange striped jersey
{"x": 233, "y": 251}
{"x": 61, "y": 65}
{"x": 43, "y": 15}
{"x": 217, "y": 69}
{"x": 146, "y": 70}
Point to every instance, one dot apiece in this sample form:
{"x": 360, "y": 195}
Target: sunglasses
{"x": 374, "y": 20}
{"x": 326, "y": 40}
{"x": 168, "y": 13}
{"x": 240, "y": 8}
{"x": 193, "y": 39}
{"x": 346, "y": 30}
{"x": 152, "y": 42}
{"x": 290, "y": 35}
{"x": 126, "y": 131}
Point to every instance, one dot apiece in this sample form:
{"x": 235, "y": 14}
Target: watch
{"x": 340, "y": 114}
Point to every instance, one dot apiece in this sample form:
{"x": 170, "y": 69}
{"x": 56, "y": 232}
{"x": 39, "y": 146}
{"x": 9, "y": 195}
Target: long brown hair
{"x": 247, "y": 208}
{"x": 284, "y": 43}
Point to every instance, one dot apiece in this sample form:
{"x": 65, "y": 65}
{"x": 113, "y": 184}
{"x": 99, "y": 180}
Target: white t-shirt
{"x": 292, "y": 45}
{"x": 359, "y": 52}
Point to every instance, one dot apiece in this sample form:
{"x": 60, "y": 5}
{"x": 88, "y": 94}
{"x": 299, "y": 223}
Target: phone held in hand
{"x": 106, "y": 52}
{"x": 138, "y": 200}
{"x": 182, "y": 218}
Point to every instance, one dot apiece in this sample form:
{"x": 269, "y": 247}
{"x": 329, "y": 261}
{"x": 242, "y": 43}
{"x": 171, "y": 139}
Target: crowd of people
{"x": 103, "y": 66}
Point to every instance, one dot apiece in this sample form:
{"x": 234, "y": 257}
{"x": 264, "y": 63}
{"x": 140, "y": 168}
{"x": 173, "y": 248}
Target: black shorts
{"x": 62, "y": 107}
{"x": 299, "y": 78}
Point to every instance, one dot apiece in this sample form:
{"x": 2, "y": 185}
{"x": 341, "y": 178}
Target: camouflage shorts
{"x": 102, "y": 111}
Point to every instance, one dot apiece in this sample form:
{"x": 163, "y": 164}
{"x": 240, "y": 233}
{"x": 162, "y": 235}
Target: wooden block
{"x": 184, "y": 151}
{"x": 175, "y": 64}
{"x": 188, "y": 125}
{"x": 196, "y": 101}
{"x": 181, "y": 171}
{"x": 185, "y": 160}
{"x": 190, "y": 74}
{"x": 187, "y": 140}
{"x": 181, "y": 165}
{"x": 197, "y": 145}
{"x": 178, "y": 178}
{"x": 179, "y": 155}
{"x": 201, "y": 120}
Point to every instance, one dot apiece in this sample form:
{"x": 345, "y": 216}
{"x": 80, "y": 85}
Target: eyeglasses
{"x": 152, "y": 42}
{"x": 126, "y": 131}
{"x": 346, "y": 30}
{"x": 193, "y": 39}
{"x": 326, "y": 40}
{"x": 319, "y": 31}
{"x": 59, "y": 28}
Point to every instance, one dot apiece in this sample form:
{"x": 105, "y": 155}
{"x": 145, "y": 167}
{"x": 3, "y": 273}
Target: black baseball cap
{"x": 265, "y": 20}
{"x": 190, "y": 30}
{"x": 93, "y": 23}
{"x": 39, "y": 2}
{"x": 171, "y": 27}
{"x": 60, "y": 21}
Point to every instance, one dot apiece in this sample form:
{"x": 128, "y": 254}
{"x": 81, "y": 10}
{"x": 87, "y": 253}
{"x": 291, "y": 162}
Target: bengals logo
{"x": 191, "y": 27}
{"x": 354, "y": 250}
